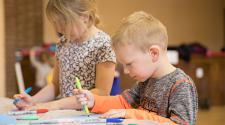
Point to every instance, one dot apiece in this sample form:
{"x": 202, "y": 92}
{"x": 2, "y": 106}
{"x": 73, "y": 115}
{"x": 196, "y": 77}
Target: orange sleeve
{"x": 141, "y": 114}
{"x": 105, "y": 103}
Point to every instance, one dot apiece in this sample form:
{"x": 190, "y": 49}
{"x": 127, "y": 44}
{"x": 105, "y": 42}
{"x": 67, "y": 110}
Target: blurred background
{"x": 196, "y": 30}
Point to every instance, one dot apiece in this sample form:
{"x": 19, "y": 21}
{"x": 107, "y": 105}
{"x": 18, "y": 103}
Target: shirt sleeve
{"x": 58, "y": 49}
{"x": 142, "y": 114}
{"x": 105, "y": 103}
{"x": 105, "y": 52}
{"x": 132, "y": 96}
{"x": 183, "y": 104}
{"x": 124, "y": 101}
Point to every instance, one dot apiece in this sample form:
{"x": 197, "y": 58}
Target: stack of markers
{"x": 27, "y": 115}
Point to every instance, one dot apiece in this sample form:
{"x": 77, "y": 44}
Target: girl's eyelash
{"x": 128, "y": 64}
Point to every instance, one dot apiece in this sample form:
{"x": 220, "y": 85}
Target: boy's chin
{"x": 140, "y": 79}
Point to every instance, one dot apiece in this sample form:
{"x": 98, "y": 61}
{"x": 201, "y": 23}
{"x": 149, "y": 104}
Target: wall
{"x": 49, "y": 33}
{"x": 2, "y": 50}
{"x": 186, "y": 20}
{"x": 23, "y": 29}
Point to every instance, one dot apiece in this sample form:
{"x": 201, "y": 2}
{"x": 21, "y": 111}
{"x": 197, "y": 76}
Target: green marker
{"x": 32, "y": 117}
{"x": 79, "y": 87}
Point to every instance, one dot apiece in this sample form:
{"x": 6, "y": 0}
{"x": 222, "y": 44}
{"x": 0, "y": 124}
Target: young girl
{"x": 84, "y": 51}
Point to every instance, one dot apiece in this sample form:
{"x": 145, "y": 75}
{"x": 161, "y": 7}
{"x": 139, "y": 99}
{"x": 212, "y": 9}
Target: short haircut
{"x": 142, "y": 30}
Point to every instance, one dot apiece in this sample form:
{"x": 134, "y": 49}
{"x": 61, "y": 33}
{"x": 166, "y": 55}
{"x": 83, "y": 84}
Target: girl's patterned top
{"x": 80, "y": 59}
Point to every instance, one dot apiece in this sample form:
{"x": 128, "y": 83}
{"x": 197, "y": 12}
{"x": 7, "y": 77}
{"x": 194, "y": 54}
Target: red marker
{"x": 28, "y": 112}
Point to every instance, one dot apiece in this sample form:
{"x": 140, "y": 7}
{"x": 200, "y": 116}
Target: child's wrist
{"x": 33, "y": 100}
{"x": 55, "y": 105}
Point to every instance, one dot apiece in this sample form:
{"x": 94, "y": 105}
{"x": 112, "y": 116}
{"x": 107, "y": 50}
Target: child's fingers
{"x": 31, "y": 108}
{"x": 114, "y": 113}
{"x": 22, "y": 95}
{"x": 76, "y": 91}
{"x": 83, "y": 101}
{"x": 17, "y": 96}
{"x": 108, "y": 114}
{"x": 18, "y": 99}
{"x": 80, "y": 96}
{"x": 21, "y": 105}
{"x": 85, "y": 97}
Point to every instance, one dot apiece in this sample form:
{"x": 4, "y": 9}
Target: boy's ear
{"x": 154, "y": 52}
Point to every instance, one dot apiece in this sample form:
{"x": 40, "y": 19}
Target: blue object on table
{"x": 52, "y": 48}
{"x": 7, "y": 120}
{"x": 28, "y": 90}
{"x": 116, "y": 86}
{"x": 114, "y": 120}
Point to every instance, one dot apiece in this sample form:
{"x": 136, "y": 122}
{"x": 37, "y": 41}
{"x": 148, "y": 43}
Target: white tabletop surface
{"x": 6, "y": 106}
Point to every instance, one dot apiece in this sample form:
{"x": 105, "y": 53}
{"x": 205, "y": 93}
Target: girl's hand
{"x": 35, "y": 107}
{"x": 115, "y": 113}
{"x": 25, "y": 100}
{"x": 85, "y": 97}
{"x": 48, "y": 105}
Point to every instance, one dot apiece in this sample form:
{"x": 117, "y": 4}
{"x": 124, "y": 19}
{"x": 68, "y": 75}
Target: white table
{"x": 6, "y": 105}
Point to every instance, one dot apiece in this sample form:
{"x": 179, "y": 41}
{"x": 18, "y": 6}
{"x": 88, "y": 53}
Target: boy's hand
{"x": 85, "y": 97}
{"x": 115, "y": 113}
{"x": 25, "y": 100}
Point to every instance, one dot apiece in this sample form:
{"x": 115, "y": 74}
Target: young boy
{"x": 163, "y": 94}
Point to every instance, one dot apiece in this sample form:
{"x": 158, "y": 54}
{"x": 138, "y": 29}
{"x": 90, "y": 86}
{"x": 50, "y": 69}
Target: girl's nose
{"x": 125, "y": 70}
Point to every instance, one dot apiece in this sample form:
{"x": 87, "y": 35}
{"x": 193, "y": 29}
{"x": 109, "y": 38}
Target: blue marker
{"x": 100, "y": 120}
{"x": 114, "y": 120}
{"x": 28, "y": 90}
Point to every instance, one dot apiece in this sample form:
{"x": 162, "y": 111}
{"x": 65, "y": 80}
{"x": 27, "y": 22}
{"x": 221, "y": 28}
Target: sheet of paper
{"x": 78, "y": 116}
{"x": 61, "y": 114}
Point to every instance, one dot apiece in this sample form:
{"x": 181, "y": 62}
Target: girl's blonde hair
{"x": 67, "y": 13}
{"x": 142, "y": 30}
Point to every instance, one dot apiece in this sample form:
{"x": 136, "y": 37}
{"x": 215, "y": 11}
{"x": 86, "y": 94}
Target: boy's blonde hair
{"x": 142, "y": 30}
{"x": 67, "y": 13}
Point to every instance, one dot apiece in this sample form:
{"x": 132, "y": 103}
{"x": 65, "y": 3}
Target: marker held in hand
{"x": 79, "y": 87}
